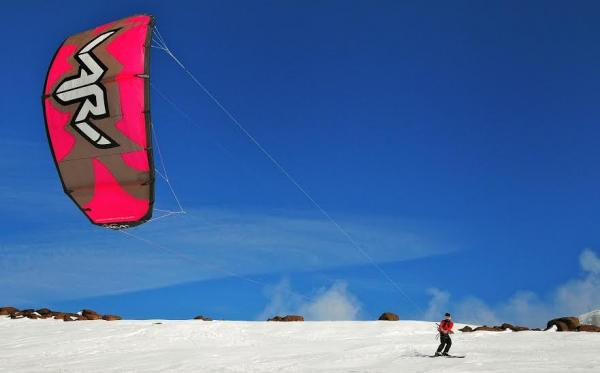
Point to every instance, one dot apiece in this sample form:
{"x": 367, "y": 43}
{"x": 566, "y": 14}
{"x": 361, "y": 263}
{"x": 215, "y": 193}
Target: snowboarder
{"x": 445, "y": 329}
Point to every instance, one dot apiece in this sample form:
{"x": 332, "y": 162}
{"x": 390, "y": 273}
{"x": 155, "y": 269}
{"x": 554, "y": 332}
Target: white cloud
{"x": 437, "y": 304}
{"x": 590, "y": 262}
{"x": 202, "y": 245}
{"x": 282, "y": 300}
{"x": 334, "y": 303}
{"x": 329, "y": 303}
{"x": 573, "y": 298}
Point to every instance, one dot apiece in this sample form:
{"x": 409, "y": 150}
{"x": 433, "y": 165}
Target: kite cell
{"x": 96, "y": 106}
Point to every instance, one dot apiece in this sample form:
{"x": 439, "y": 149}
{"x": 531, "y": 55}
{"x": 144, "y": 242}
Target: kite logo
{"x": 86, "y": 90}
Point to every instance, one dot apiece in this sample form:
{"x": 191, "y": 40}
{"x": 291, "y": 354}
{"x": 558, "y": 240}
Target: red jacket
{"x": 446, "y": 326}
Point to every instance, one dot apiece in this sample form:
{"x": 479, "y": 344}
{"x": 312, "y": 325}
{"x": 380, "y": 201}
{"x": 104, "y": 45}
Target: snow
{"x": 229, "y": 346}
{"x": 592, "y": 318}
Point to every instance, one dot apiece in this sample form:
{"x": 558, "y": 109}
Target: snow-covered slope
{"x": 227, "y": 346}
{"x": 592, "y": 318}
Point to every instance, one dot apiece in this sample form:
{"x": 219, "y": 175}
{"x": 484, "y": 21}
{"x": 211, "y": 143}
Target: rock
{"x": 588, "y": 328}
{"x": 44, "y": 311}
{"x": 287, "y": 318}
{"x": 32, "y": 315}
{"x": 564, "y": 324}
{"x": 513, "y": 327}
{"x": 561, "y": 326}
{"x": 85, "y": 313}
{"x": 536, "y": 330}
{"x": 58, "y": 315}
{"x": 111, "y": 317}
{"x": 293, "y": 318}
{"x": 203, "y": 318}
{"x": 389, "y": 316}
{"x": 29, "y": 312}
{"x": 466, "y": 329}
{"x": 16, "y": 315}
{"x": 486, "y": 328}
{"x": 75, "y": 316}
{"x": 91, "y": 316}
{"x": 4, "y": 311}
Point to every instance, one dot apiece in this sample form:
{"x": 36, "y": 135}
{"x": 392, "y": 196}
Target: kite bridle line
{"x": 158, "y": 42}
{"x": 165, "y": 176}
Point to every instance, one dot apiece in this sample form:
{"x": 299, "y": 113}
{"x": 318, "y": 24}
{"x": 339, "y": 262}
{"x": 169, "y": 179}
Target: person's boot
{"x": 445, "y": 354}
{"x": 437, "y": 353}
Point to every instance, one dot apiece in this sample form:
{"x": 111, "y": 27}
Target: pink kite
{"x": 96, "y": 105}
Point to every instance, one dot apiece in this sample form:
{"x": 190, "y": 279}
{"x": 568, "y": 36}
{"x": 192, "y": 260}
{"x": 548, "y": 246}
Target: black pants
{"x": 445, "y": 340}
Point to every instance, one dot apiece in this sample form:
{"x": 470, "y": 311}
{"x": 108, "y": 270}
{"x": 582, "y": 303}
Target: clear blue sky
{"x": 458, "y": 142}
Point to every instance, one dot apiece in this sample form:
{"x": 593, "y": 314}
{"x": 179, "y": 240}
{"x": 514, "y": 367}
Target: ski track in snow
{"x": 240, "y": 346}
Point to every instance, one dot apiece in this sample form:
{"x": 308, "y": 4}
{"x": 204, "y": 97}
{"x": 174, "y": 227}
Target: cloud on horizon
{"x": 573, "y": 298}
{"x": 331, "y": 303}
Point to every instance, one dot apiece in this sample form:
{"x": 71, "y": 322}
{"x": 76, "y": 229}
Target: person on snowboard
{"x": 445, "y": 329}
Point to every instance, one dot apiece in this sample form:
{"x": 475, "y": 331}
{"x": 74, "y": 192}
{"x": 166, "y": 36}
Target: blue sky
{"x": 458, "y": 142}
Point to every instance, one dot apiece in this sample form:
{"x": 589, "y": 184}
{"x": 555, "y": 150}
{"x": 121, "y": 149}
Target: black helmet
{"x": 447, "y": 314}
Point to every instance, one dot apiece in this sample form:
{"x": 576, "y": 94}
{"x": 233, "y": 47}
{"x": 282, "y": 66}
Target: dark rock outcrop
{"x": 588, "y": 328}
{"x": 44, "y": 311}
{"x": 513, "y": 327}
{"x": 564, "y": 324}
{"x": 86, "y": 313}
{"x": 486, "y": 328}
{"x": 203, "y": 318}
{"x": 58, "y": 315}
{"x": 293, "y": 318}
{"x": 389, "y": 316}
{"x": 287, "y": 318}
{"x": 91, "y": 316}
{"x": 111, "y": 317}
{"x": 5, "y": 311}
{"x": 466, "y": 329}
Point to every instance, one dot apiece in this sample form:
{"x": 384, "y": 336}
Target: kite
{"x": 97, "y": 110}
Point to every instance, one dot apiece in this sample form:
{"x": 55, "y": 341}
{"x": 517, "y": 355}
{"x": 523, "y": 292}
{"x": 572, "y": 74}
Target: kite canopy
{"x": 96, "y": 105}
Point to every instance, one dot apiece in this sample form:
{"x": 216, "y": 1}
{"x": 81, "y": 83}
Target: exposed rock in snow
{"x": 589, "y": 328}
{"x": 564, "y": 324}
{"x": 287, "y": 318}
{"x": 7, "y": 310}
{"x": 389, "y": 316}
{"x": 203, "y": 318}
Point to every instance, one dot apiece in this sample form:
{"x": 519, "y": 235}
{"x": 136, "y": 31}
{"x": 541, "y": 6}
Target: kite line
{"x": 159, "y": 42}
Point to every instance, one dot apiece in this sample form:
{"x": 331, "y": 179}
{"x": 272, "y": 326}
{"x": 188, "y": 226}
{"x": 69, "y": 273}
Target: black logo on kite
{"x": 86, "y": 89}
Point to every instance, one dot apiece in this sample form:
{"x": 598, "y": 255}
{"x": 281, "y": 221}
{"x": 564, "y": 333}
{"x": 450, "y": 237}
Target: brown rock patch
{"x": 4, "y": 311}
{"x": 564, "y": 324}
{"x": 203, "y": 318}
{"x": 389, "y": 316}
